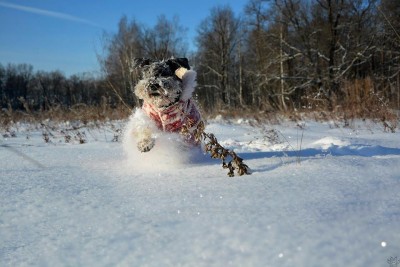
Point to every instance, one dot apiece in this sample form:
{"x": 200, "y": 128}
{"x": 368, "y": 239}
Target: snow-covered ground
{"x": 319, "y": 195}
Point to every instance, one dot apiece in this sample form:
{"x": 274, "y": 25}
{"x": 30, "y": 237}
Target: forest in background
{"x": 277, "y": 56}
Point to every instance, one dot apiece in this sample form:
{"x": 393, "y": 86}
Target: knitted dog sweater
{"x": 174, "y": 117}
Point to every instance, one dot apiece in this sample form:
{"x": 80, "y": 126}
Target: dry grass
{"x": 359, "y": 99}
{"x": 81, "y": 112}
{"x": 68, "y": 125}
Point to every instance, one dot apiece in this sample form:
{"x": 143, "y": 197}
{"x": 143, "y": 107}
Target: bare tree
{"x": 3, "y": 101}
{"x": 16, "y": 84}
{"x": 133, "y": 40}
{"x": 218, "y": 38}
{"x": 387, "y": 59}
{"x": 165, "y": 39}
{"x": 117, "y": 64}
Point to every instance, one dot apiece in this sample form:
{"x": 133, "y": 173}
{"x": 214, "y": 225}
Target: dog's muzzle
{"x": 154, "y": 89}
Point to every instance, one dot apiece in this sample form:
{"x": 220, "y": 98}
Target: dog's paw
{"x": 145, "y": 145}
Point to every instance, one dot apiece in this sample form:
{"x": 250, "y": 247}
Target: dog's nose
{"x": 154, "y": 89}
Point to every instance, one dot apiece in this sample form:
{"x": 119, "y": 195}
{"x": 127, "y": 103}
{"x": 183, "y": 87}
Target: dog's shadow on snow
{"x": 291, "y": 156}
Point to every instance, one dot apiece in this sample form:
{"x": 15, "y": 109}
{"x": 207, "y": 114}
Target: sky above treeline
{"x": 67, "y": 35}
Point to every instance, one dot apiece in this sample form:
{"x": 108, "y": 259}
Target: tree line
{"x": 21, "y": 88}
{"x": 276, "y": 55}
{"x": 298, "y": 54}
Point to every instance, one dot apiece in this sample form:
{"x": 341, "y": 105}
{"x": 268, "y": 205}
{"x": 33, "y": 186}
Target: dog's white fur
{"x": 139, "y": 127}
{"x": 188, "y": 84}
{"x": 170, "y": 150}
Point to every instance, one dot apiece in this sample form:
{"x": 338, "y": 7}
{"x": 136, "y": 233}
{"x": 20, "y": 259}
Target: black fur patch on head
{"x": 176, "y": 63}
{"x": 163, "y": 68}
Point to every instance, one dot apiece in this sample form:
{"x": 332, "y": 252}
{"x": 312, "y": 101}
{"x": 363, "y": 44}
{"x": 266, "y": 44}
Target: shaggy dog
{"x": 166, "y": 88}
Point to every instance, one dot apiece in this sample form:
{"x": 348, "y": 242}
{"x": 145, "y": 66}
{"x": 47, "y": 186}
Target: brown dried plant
{"x": 230, "y": 160}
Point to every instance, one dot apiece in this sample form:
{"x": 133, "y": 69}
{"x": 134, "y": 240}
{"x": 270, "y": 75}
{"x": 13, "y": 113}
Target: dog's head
{"x": 162, "y": 82}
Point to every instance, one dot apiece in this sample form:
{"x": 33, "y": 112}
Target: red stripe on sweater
{"x": 172, "y": 119}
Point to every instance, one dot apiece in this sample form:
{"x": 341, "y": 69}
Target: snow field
{"x": 318, "y": 196}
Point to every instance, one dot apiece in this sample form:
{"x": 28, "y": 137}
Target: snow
{"x": 319, "y": 195}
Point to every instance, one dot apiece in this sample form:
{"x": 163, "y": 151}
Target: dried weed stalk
{"x": 230, "y": 160}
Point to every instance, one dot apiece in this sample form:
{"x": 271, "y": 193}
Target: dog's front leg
{"x": 146, "y": 142}
{"x": 139, "y": 132}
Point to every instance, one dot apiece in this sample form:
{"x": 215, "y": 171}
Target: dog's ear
{"x": 183, "y": 62}
{"x": 141, "y": 62}
{"x": 176, "y": 63}
{"x": 178, "y": 66}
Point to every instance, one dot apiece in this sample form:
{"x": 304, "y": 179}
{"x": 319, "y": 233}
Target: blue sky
{"x": 66, "y": 35}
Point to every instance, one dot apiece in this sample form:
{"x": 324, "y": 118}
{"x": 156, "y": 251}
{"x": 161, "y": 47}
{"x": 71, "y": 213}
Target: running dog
{"x": 166, "y": 88}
